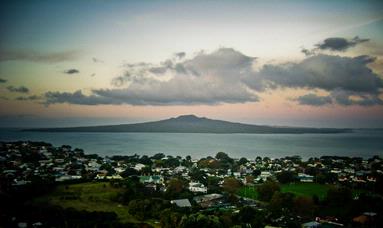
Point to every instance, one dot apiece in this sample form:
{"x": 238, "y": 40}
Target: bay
{"x": 360, "y": 143}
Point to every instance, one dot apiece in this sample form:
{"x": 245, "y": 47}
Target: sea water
{"x": 360, "y": 143}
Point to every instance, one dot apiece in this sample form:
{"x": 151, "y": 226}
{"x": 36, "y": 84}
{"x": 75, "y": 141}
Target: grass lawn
{"x": 248, "y": 192}
{"x": 299, "y": 189}
{"x": 306, "y": 189}
{"x": 93, "y": 196}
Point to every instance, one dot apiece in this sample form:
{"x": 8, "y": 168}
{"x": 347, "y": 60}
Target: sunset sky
{"x": 297, "y": 63}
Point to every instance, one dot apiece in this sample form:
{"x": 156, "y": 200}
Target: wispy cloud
{"x": 35, "y": 56}
{"x": 96, "y": 60}
{"x": 29, "y": 98}
{"x": 20, "y": 89}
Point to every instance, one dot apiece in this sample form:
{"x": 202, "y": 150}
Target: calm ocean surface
{"x": 362, "y": 143}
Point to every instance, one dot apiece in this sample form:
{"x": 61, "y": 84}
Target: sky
{"x": 285, "y": 63}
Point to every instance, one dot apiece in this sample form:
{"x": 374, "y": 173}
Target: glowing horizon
{"x": 298, "y": 63}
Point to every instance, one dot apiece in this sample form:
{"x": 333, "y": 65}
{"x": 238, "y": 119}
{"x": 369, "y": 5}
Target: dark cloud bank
{"x": 227, "y": 76}
{"x": 338, "y": 44}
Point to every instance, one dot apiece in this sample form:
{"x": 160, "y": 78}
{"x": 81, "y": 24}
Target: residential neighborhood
{"x": 199, "y": 185}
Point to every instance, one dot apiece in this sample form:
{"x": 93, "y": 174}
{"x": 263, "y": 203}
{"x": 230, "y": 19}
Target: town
{"x": 167, "y": 191}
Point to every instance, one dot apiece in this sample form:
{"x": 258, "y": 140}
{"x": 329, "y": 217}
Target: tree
{"x": 242, "y": 161}
{"x": 200, "y": 220}
{"x": 249, "y": 179}
{"x": 304, "y": 206}
{"x": 175, "y": 187}
{"x": 146, "y": 160}
{"x": 338, "y": 196}
{"x": 171, "y": 162}
{"x": 198, "y": 175}
{"x": 250, "y": 215}
{"x": 170, "y": 219}
{"x": 108, "y": 167}
{"x": 281, "y": 202}
{"x": 267, "y": 189}
{"x": 246, "y": 214}
{"x": 139, "y": 208}
{"x": 231, "y": 185}
{"x": 129, "y": 172}
{"x": 213, "y": 184}
{"x": 222, "y": 156}
{"x": 225, "y": 162}
{"x": 187, "y": 162}
{"x": 256, "y": 172}
{"x": 285, "y": 177}
{"x": 158, "y": 156}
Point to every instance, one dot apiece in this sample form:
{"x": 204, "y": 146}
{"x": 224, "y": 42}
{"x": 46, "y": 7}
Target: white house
{"x": 305, "y": 178}
{"x": 197, "y": 187}
{"x": 264, "y": 175}
{"x": 139, "y": 166}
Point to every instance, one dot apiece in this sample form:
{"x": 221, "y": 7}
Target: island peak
{"x": 188, "y": 117}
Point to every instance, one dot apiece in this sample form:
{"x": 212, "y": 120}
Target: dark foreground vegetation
{"x": 46, "y": 186}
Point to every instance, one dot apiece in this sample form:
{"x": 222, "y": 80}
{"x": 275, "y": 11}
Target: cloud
{"x": 341, "y": 97}
{"x": 213, "y": 78}
{"x": 21, "y": 89}
{"x": 76, "y": 97}
{"x": 34, "y": 56}
{"x": 326, "y": 72}
{"x": 314, "y": 100}
{"x": 339, "y": 44}
{"x": 29, "y": 98}
{"x": 347, "y": 98}
{"x": 3, "y": 80}
{"x": 180, "y": 55}
{"x": 307, "y": 52}
{"x": 72, "y": 71}
{"x": 228, "y": 76}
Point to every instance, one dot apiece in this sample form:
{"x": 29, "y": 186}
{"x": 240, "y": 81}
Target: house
{"x": 237, "y": 174}
{"x": 305, "y": 177}
{"x": 155, "y": 179}
{"x": 179, "y": 169}
{"x": 114, "y": 177}
{"x": 197, "y": 187}
{"x": 139, "y": 166}
{"x": 312, "y": 224}
{"x": 20, "y": 182}
{"x": 209, "y": 200}
{"x": 265, "y": 175}
{"x": 67, "y": 178}
{"x": 181, "y": 202}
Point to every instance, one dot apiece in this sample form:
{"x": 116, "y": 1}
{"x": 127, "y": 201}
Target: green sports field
{"x": 299, "y": 189}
